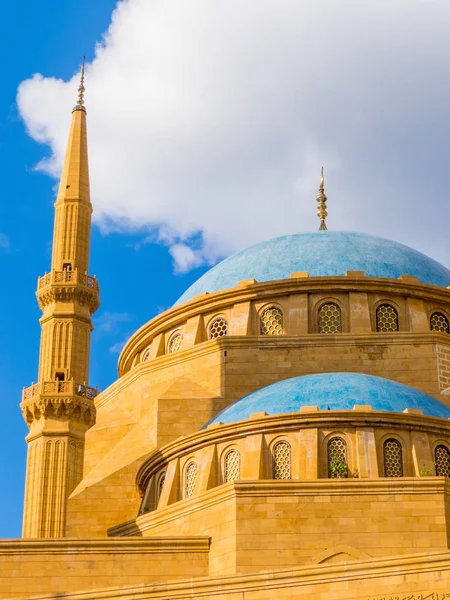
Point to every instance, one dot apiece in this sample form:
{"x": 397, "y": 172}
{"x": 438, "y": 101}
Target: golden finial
{"x": 322, "y": 202}
{"x": 80, "y": 101}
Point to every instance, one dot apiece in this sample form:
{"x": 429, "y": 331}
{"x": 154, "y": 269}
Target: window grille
{"x": 392, "y": 457}
{"x": 191, "y": 476}
{"x": 281, "y": 461}
{"x": 175, "y": 343}
{"x": 272, "y": 321}
{"x": 146, "y": 355}
{"x": 232, "y": 466}
{"x": 439, "y": 322}
{"x": 387, "y": 318}
{"x": 330, "y": 319}
{"x": 442, "y": 460}
{"x": 337, "y": 449}
{"x": 218, "y": 328}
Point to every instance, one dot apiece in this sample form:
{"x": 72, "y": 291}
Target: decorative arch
{"x": 160, "y": 486}
{"x": 442, "y": 460}
{"x": 329, "y": 318}
{"x": 232, "y": 466}
{"x": 147, "y": 503}
{"x": 386, "y": 316}
{"x": 190, "y": 478}
{"x": 175, "y": 342}
{"x": 146, "y": 354}
{"x": 218, "y": 328}
{"x": 271, "y": 321}
{"x": 392, "y": 458}
{"x": 439, "y": 322}
{"x": 336, "y": 451}
{"x": 281, "y": 460}
{"x": 341, "y": 553}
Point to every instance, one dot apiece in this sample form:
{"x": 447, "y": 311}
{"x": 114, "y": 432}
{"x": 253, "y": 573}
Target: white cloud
{"x": 185, "y": 258}
{"x": 118, "y": 346}
{"x": 109, "y": 322}
{"x": 210, "y": 120}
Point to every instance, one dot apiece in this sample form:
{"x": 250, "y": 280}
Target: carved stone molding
{"x": 70, "y": 408}
{"x": 68, "y": 292}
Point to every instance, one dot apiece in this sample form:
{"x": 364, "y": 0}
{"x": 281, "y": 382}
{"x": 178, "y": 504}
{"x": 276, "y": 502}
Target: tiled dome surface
{"x": 336, "y": 391}
{"x": 321, "y": 254}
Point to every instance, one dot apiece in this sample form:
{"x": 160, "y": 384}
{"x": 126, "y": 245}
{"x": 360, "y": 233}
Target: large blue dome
{"x": 321, "y": 254}
{"x": 337, "y": 391}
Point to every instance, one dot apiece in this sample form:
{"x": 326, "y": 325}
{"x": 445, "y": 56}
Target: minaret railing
{"x": 63, "y": 388}
{"x": 73, "y": 277}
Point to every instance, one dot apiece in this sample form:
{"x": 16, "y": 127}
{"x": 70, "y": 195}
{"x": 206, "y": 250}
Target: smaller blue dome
{"x": 335, "y": 391}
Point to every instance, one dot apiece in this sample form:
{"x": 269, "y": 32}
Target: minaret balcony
{"x": 58, "y": 388}
{"x": 68, "y": 400}
{"x": 67, "y": 286}
{"x": 74, "y": 277}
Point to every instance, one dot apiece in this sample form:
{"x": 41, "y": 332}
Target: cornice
{"x": 154, "y": 545}
{"x": 261, "y": 342}
{"x": 373, "y": 569}
{"x": 219, "y": 433}
{"x": 277, "y": 488}
{"x": 249, "y": 291}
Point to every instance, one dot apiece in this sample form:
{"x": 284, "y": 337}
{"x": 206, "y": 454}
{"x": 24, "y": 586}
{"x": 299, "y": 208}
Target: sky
{"x": 208, "y": 124}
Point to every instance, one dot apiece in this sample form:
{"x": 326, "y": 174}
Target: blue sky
{"x": 135, "y": 284}
{"x": 208, "y": 123}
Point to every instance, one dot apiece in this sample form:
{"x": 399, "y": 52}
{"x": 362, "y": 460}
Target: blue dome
{"x": 321, "y": 254}
{"x": 338, "y": 391}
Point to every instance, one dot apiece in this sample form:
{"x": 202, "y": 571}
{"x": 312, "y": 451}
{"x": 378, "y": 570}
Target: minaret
{"x": 60, "y": 407}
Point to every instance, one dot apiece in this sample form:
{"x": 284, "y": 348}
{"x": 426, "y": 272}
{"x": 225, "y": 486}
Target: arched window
{"x": 387, "y": 318}
{"x": 148, "y": 501}
{"x": 175, "y": 343}
{"x": 337, "y": 458}
{"x": 281, "y": 461}
{"x": 330, "y": 318}
{"x": 191, "y": 476}
{"x": 272, "y": 321}
{"x": 146, "y": 355}
{"x": 392, "y": 458}
{"x": 439, "y": 322}
{"x": 442, "y": 460}
{"x": 232, "y": 466}
{"x": 161, "y": 485}
{"x": 218, "y": 328}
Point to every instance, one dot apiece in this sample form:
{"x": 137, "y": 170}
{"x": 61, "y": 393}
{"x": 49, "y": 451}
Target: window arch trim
{"x": 190, "y": 478}
{"x": 160, "y": 486}
{"x": 340, "y": 453}
{"x": 443, "y": 315}
{"x": 280, "y": 468}
{"x": 232, "y": 465}
{"x": 393, "y": 465}
{"x": 394, "y": 307}
{"x": 331, "y": 302}
{"x": 439, "y": 467}
{"x": 221, "y": 323}
{"x": 175, "y": 346}
{"x": 271, "y": 324}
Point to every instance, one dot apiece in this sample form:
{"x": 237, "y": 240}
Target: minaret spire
{"x": 322, "y": 202}
{"x": 81, "y": 89}
{"x": 60, "y": 407}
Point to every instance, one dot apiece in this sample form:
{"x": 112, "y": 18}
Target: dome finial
{"x": 80, "y": 101}
{"x": 322, "y": 202}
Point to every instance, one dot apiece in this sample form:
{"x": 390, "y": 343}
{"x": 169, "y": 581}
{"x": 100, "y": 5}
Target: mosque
{"x": 281, "y": 432}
